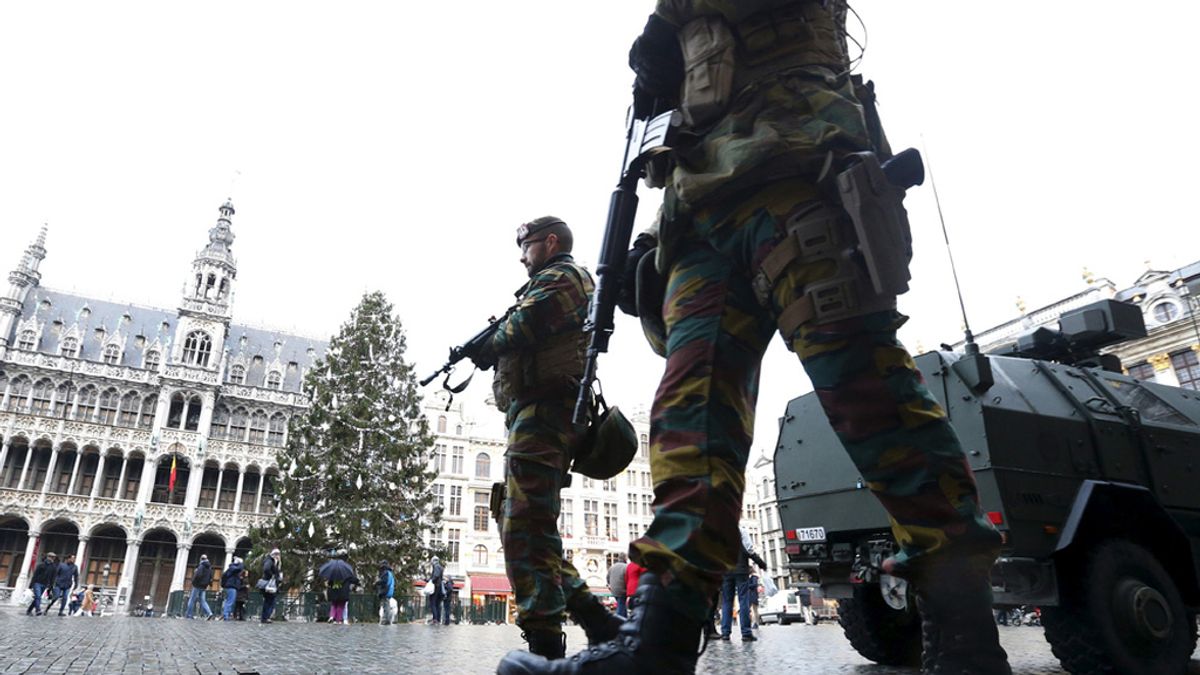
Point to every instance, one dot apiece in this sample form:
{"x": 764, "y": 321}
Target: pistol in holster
{"x": 499, "y": 494}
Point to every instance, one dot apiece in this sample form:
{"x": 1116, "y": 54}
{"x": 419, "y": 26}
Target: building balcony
{"x": 189, "y": 374}
{"x": 262, "y": 395}
{"x": 69, "y": 365}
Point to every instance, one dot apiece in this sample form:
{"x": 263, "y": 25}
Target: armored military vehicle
{"x": 1090, "y": 476}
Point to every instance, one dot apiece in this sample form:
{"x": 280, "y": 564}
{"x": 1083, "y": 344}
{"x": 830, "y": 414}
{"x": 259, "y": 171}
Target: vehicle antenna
{"x": 969, "y": 345}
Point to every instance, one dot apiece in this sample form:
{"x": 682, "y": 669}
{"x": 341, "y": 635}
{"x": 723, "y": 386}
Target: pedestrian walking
{"x": 243, "y": 594}
{"x": 736, "y": 582}
{"x": 66, "y": 578}
{"x": 616, "y": 583}
{"x": 447, "y": 599}
{"x": 268, "y": 584}
{"x": 76, "y": 601}
{"x": 435, "y": 580}
{"x": 201, "y": 579}
{"x": 88, "y": 605}
{"x": 43, "y": 578}
{"x": 754, "y": 589}
{"x": 385, "y": 588}
{"x": 231, "y": 582}
{"x": 339, "y": 579}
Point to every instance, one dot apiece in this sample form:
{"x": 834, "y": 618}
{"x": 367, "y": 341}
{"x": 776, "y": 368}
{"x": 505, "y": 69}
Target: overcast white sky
{"x": 396, "y": 146}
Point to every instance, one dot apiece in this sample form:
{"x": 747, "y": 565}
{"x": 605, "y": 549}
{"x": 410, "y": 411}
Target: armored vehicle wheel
{"x": 1123, "y": 614}
{"x": 890, "y": 637}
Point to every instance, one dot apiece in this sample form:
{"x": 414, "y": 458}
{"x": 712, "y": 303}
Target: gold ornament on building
{"x": 1088, "y": 277}
{"x": 1021, "y": 305}
{"x": 1160, "y": 362}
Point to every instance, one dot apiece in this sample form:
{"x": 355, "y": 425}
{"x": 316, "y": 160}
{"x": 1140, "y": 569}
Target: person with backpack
{"x": 201, "y": 579}
{"x": 436, "y": 597}
{"x": 385, "y": 587}
{"x": 447, "y": 598}
{"x": 231, "y": 582}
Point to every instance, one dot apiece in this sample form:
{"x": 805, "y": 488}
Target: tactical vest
{"x": 553, "y": 368}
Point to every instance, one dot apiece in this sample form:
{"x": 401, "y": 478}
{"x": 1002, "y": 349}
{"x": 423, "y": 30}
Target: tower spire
{"x": 209, "y": 289}
{"x": 20, "y": 282}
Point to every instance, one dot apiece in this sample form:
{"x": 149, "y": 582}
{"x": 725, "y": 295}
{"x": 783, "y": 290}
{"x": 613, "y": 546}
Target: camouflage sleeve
{"x": 679, "y": 12}
{"x": 555, "y": 303}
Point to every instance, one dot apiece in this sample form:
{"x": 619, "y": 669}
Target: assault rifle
{"x": 468, "y": 350}
{"x": 645, "y": 138}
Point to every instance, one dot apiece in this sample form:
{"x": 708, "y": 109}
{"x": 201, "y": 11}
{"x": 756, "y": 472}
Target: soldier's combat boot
{"x": 958, "y": 629}
{"x": 548, "y": 644}
{"x": 599, "y": 624}
{"x": 656, "y": 639}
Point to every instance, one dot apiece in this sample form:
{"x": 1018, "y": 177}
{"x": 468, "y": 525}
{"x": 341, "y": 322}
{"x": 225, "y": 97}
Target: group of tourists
{"x": 59, "y": 582}
{"x": 235, "y": 588}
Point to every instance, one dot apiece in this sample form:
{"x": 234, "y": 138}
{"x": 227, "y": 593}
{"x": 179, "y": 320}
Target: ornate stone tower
{"x": 21, "y": 281}
{"x": 207, "y": 299}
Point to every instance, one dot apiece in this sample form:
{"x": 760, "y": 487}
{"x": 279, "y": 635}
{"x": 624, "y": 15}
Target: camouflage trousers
{"x": 702, "y": 420}
{"x": 540, "y": 436}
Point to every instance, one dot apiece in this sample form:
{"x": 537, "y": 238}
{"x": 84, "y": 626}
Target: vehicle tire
{"x": 884, "y": 635}
{"x": 784, "y": 622}
{"x": 1122, "y": 614}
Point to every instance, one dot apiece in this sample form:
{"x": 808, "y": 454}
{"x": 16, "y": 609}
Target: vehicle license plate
{"x": 810, "y": 534}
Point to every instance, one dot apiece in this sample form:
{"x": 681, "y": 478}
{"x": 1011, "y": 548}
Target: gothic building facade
{"x": 139, "y": 438}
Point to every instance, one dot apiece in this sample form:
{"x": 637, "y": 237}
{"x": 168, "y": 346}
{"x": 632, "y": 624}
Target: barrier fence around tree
{"x": 362, "y": 607}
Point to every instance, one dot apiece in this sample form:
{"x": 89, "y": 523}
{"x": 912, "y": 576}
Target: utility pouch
{"x": 496, "y": 504}
{"x": 876, "y": 208}
{"x": 708, "y": 48}
{"x": 864, "y": 91}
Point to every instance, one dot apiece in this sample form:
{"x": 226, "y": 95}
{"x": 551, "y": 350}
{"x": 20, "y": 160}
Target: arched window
{"x": 64, "y": 398}
{"x": 112, "y": 354}
{"x": 483, "y": 465}
{"x": 258, "y": 427}
{"x": 41, "y": 397}
{"x": 18, "y": 391}
{"x": 237, "y": 375}
{"x": 458, "y": 430}
{"x": 196, "y": 348}
{"x": 278, "y": 427}
{"x": 149, "y": 408}
{"x": 441, "y": 427}
{"x": 274, "y": 380}
{"x": 237, "y": 424}
{"x": 109, "y": 402}
{"x": 481, "y": 556}
{"x": 175, "y": 412}
{"x": 86, "y": 408}
{"x": 192, "y": 422}
{"x": 69, "y": 347}
{"x": 220, "y": 422}
{"x": 152, "y": 359}
{"x": 131, "y": 404}
{"x": 27, "y": 340}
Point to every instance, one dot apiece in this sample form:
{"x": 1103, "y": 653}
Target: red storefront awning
{"x": 490, "y": 584}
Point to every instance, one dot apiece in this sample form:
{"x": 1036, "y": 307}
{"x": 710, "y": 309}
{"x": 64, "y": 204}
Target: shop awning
{"x": 490, "y": 583}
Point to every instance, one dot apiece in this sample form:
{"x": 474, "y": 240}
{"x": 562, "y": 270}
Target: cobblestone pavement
{"x": 132, "y": 645}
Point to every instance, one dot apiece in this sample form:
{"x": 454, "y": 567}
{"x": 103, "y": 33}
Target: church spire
{"x": 20, "y": 281}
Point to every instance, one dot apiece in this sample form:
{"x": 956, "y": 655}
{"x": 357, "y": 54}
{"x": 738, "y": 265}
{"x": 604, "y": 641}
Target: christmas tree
{"x": 355, "y": 473}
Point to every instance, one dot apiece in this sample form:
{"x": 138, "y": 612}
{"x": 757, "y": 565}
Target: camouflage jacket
{"x": 539, "y": 348}
{"x": 792, "y": 103}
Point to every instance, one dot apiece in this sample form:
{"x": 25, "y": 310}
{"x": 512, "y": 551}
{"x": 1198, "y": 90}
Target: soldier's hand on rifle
{"x": 627, "y": 299}
{"x": 658, "y": 61}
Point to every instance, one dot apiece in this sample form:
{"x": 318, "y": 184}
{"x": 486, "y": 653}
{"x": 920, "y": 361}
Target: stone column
{"x": 80, "y": 552}
{"x": 207, "y": 404}
{"x": 128, "y": 569}
{"x": 50, "y": 469}
{"x": 3, "y": 459}
{"x": 25, "y": 469}
{"x": 121, "y": 479}
{"x": 180, "y": 570}
{"x": 262, "y": 478}
{"x": 195, "y": 477}
{"x": 237, "y": 497}
{"x": 217, "y": 495}
{"x": 228, "y": 559}
{"x": 149, "y": 468}
{"x": 75, "y": 471}
{"x": 26, "y": 563}
{"x": 99, "y": 477}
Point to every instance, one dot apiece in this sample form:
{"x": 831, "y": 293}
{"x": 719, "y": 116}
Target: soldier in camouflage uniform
{"x": 747, "y": 187}
{"x": 538, "y": 355}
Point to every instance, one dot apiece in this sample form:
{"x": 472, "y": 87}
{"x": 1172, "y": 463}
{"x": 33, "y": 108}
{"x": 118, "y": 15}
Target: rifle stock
{"x": 644, "y": 138}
